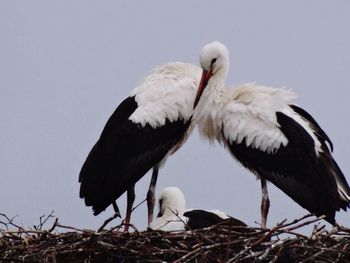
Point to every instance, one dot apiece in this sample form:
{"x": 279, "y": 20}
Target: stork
{"x": 173, "y": 215}
{"x": 148, "y": 126}
{"x": 271, "y": 136}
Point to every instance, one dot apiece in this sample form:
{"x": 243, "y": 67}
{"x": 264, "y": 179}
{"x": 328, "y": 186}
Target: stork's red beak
{"x": 202, "y": 85}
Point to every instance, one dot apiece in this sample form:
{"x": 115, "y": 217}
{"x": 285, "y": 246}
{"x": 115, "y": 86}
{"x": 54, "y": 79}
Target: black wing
{"x": 198, "y": 219}
{"x": 123, "y": 154}
{"x": 321, "y": 135}
{"x": 309, "y": 179}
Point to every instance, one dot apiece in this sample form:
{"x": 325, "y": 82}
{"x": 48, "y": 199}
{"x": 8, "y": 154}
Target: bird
{"x": 173, "y": 215}
{"x": 271, "y": 136}
{"x": 149, "y": 125}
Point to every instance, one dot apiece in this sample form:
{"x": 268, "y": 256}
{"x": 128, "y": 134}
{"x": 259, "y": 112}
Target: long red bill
{"x": 202, "y": 85}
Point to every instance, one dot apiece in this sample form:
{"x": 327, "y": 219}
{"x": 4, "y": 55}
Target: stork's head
{"x": 214, "y": 60}
{"x": 171, "y": 200}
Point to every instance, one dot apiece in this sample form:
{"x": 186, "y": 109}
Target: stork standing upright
{"x": 275, "y": 139}
{"x": 148, "y": 126}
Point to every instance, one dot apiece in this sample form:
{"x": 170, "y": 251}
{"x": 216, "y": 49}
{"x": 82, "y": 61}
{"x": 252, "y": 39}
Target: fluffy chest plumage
{"x": 209, "y": 115}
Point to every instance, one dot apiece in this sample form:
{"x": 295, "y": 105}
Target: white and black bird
{"x": 173, "y": 215}
{"x": 271, "y": 136}
{"x": 147, "y": 127}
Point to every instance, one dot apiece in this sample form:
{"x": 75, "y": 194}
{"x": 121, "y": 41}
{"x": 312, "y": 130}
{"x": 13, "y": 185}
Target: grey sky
{"x": 66, "y": 65}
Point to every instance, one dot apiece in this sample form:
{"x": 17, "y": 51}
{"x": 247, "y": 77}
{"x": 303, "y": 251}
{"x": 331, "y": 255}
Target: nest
{"x": 219, "y": 243}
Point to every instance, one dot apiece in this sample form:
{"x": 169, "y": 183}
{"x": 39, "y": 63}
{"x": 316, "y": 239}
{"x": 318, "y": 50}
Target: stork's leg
{"x": 129, "y": 204}
{"x": 151, "y": 193}
{"x": 116, "y": 209}
{"x": 265, "y": 202}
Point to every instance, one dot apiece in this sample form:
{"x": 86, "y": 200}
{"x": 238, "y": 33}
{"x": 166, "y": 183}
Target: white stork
{"x": 271, "y": 136}
{"x": 148, "y": 126}
{"x": 173, "y": 215}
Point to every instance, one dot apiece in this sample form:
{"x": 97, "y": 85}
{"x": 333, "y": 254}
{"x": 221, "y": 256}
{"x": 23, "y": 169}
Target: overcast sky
{"x": 66, "y": 65}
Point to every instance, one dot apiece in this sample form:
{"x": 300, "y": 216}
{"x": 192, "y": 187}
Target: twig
{"x": 10, "y": 221}
{"x": 106, "y": 222}
{"x": 72, "y": 228}
{"x": 305, "y": 223}
{"x": 43, "y": 221}
{"x": 116, "y": 215}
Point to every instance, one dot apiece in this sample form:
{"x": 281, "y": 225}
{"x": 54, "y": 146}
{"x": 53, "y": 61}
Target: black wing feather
{"x": 321, "y": 135}
{"x": 296, "y": 169}
{"x": 123, "y": 154}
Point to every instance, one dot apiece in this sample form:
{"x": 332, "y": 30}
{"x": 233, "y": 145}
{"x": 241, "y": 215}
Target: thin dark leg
{"x": 129, "y": 204}
{"x": 151, "y": 193}
{"x": 116, "y": 209}
{"x": 265, "y": 203}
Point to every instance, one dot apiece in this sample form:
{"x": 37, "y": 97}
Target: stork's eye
{"x": 213, "y": 61}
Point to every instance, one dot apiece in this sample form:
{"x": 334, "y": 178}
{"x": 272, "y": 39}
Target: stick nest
{"x": 219, "y": 243}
